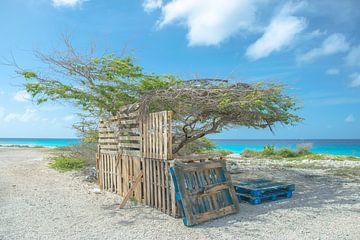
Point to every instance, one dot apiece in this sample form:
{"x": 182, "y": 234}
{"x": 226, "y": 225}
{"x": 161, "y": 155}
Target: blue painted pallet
{"x": 269, "y": 197}
{"x": 262, "y": 187}
{"x": 203, "y": 191}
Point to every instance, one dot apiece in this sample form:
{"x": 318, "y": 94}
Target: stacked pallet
{"x": 261, "y": 190}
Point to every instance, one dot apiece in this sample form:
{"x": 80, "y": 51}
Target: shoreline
{"x": 24, "y": 146}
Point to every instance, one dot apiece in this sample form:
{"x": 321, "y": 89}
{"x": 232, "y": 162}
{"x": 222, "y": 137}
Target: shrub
{"x": 201, "y": 145}
{"x": 269, "y": 150}
{"x": 83, "y": 151}
{"x": 287, "y": 153}
{"x": 63, "y": 163}
{"x": 249, "y": 153}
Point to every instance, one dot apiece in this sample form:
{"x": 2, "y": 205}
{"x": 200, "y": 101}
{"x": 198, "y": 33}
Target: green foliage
{"x": 28, "y": 74}
{"x": 200, "y": 145}
{"x": 83, "y": 151}
{"x": 100, "y": 86}
{"x": 301, "y": 153}
{"x": 64, "y": 164}
{"x": 269, "y": 151}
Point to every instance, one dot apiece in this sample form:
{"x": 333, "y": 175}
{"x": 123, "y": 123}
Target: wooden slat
{"x": 129, "y": 145}
{"x": 169, "y": 138}
{"x": 131, "y": 190}
{"x": 162, "y": 163}
{"x": 129, "y": 138}
{"x": 106, "y": 140}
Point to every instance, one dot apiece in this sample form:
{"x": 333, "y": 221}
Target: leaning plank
{"x": 131, "y": 190}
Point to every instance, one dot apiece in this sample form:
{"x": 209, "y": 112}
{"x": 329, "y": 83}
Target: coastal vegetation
{"x": 64, "y": 163}
{"x": 301, "y": 153}
{"x": 78, "y": 157}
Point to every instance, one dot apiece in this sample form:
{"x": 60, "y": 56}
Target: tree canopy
{"x": 100, "y": 86}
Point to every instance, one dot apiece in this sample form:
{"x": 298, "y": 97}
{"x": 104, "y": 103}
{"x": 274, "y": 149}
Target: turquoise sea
{"x": 339, "y": 147}
{"x": 43, "y": 142}
{"x": 327, "y": 146}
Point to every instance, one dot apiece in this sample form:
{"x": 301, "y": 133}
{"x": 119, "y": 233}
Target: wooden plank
{"x": 153, "y": 139}
{"x": 111, "y": 174}
{"x": 169, "y": 126}
{"x": 165, "y": 136}
{"x": 131, "y": 190}
{"x": 128, "y": 121}
{"x": 129, "y": 145}
{"x": 157, "y": 136}
{"x": 128, "y": 115}
{"x": 201, "y": 165}
{"x": 129, "y": 138}
{"x": 107, "y": 136}
{"x": 101, "y": 175}
{"x": 134, "y": 153}
{"x": 167, "y": 188}
{"x": 163, "y": 173}
{"x": 125, "y": 173}
{"x": 137, "y": 191}
{"x": 118, "y": 171}
{"x": 152, "y": 188}
{"x": 148, "y": 193}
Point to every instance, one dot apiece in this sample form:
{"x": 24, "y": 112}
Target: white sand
{"x": 39, "y": 203}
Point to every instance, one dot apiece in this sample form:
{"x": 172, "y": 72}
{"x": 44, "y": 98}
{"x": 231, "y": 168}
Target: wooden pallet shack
{"x": 130, "y": 143}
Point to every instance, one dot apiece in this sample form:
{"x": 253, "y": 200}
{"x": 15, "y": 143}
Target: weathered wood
{"x": 129, "y": 144}
{"x": 131, "y": 190}
{"x": 204, "y": 190}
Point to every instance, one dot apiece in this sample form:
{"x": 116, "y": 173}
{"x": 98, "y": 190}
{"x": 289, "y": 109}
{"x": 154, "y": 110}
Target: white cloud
{"x": 22, "y": 96}
{"x": 209, "y": 22}
{"x": 68, "y": 118}
{"x": 151, "y": 5}
{"x": 67, "y": 3}
{"x": 335, "y": 43}
{"x": 355, "y": 80}
{"x": 28, "y": 116}
{"x": 332, "y": 71}
{"x": 353, "y": 57}
{"x": 350, "y": 119}
{"x": 280, "y": 33}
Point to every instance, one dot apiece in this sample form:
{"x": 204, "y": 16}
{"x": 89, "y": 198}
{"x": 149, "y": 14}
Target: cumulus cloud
{"x": 332, "y": 71}
{"x": 335, "y": 43}
{"x": 28, "y": 116}
{"x": 67, "y": 3}
{"x": 280, "y": 33}
{"x": 22, "y": 96}
{"x": 353, "y": 57}
{"x": 209, "y": 22}
{"x": 151, "y": 5}
{"x": 350, "y": 119}
{"x": 355, "y": 80}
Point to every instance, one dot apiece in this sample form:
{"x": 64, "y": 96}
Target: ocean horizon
{"x": 326, "y": 146}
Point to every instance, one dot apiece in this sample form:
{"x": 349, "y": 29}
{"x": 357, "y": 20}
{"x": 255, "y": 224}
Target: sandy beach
{"x": 37, "y": 202}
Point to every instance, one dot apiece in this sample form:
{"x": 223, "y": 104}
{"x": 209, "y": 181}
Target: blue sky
{"x": 312, "y": 46}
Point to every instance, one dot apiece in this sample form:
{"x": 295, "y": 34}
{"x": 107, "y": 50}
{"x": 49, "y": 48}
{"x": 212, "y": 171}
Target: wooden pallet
{"x": 265, "y": 198}
{"x": 204, "y": 190}
{"x": 260, "y": 190}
